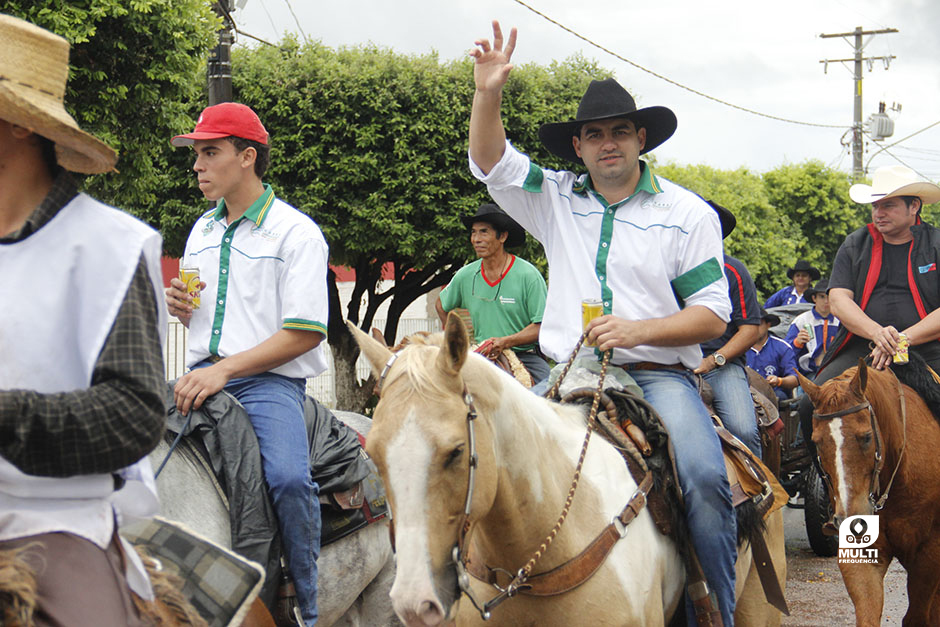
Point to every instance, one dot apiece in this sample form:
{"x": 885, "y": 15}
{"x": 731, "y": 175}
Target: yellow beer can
{"x": 590, "y": 308}
{"x": 902, "y": 356}
{"x": 189, "y": 275}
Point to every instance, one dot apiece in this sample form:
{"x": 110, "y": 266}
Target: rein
{"x": 876, "y": 497}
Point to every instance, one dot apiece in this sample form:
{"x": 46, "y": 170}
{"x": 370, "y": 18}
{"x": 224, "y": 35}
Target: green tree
{"x": 372, "y": 144}
{"x": 136, "y": 77}
{"x": 816, "y": 198}
{"x": 765, "y": 238}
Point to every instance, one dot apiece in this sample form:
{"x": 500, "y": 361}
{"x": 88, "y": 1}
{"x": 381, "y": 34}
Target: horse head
{"x": 847, "y": 440}
{"x": 423, "y": 446}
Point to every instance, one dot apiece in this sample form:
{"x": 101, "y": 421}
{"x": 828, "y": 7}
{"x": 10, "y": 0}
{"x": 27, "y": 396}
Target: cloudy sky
{"x": 738, "y": 51}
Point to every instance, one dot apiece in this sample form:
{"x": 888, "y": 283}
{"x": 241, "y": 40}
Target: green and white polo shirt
{"x": 645, "y": 257}
{"x": 264, "y": 272}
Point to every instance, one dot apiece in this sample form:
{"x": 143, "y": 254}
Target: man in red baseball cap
{"x": 262, "y": 318}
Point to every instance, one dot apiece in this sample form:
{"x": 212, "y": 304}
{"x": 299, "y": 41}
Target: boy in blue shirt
{"x": 772, "y": 358}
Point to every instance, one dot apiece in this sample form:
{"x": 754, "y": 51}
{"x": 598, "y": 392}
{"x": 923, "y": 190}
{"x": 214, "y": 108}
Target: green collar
{"x": 256, "y": 212}
{"x": 647, "y": 183}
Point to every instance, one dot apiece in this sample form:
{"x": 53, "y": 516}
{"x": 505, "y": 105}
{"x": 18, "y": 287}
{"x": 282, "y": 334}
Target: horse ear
{"x": 456, "y": 345}
{"x": 808, "y": 386}
{"x": 379, "y": 336}
{"x": 376, "y": 352}
{"x": 860, "y": 380}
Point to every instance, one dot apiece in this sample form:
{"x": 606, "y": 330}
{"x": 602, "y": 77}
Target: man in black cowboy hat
{"x": 647, "y": 248}
{"x": 772, "y": 358}
{"x": 802, "y": 274}
{"x": 81, "y": 372}
{"x": 504, "y": 294}
{"x": 812, "y": 332}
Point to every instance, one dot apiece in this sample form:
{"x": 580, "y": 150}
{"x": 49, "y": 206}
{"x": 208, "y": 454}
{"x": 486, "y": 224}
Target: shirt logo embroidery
{"x": 208, "y": 228}
{"x": 260, "y": 231}
{"x": 928, "y": 268}
{"x": 507, "y": 300}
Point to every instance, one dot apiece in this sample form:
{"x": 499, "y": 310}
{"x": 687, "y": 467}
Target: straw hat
{"x": 34, "y": 66}
{"x": 895, "y": 180}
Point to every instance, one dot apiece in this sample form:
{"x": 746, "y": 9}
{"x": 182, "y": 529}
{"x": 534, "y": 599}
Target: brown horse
{"x": 861, "y": 416}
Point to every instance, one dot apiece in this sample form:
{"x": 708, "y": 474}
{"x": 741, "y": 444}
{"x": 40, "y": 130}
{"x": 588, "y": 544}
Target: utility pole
{"x": 859, "y": 45}
{"x": 219, "y": 70}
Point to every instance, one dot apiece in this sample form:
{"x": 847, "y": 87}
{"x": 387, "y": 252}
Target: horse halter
{"x": 876, "y": 497}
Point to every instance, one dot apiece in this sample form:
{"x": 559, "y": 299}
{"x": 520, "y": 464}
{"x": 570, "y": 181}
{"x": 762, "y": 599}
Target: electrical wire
{"x": 669, "y": 80}
{"x": 299, "y": 27}
{"x": 231, "y": 21}
{"x": 885, "y": 148}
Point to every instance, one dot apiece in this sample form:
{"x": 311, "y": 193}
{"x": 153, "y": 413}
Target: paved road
{"x": 815, "y": 593}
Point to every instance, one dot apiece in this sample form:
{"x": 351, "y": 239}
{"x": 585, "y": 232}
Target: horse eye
{"x": 864, "y": 440}
{"x": 453, "y": 456}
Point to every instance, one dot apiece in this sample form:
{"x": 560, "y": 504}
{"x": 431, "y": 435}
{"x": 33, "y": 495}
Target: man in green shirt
{"x": 504, "y": 294}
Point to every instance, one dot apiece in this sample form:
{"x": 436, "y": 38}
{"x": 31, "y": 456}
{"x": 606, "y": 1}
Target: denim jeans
{"x": 702, "y": 478}
{"x": 733, "y": 403}
{"x": 274, "y": 404}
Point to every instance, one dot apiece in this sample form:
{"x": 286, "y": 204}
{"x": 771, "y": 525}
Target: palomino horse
{"x": 355, "y": 572}
{"x": 522, "y": 450}
{"x": 876, "y": 439}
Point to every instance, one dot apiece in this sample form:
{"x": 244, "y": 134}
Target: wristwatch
{"x": 719, "y": 359}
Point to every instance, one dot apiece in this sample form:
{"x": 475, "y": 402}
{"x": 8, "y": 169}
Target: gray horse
{"x": 355, "y": 572}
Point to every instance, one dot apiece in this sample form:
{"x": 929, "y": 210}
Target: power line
{"x": 669, "y": 80}
{"x": 899, "y": 160}
{"x": 299, "y": 27}
{"x": 885, "y": 148}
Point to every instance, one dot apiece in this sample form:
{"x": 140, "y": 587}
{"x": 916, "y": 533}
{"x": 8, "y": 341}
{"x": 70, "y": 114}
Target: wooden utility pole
{"x": 859, "y": 46}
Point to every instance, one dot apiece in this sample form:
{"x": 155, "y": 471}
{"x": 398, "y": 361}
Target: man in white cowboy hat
{"x": 884, "y": 279}
{"x": 649, "y": 249}
{"x": 504, "y": 294}
{"x": 802, "y": 274}
{"x": 81, "y": 374}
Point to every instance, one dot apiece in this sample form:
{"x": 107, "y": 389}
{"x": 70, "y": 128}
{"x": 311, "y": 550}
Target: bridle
{"x": 876, "y": 497}
{"x": 520, "y": 582}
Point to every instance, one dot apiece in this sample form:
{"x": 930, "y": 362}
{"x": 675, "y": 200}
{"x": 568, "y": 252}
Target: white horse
{"x": 355, "y": 572}
{"x": 526, "y": 449}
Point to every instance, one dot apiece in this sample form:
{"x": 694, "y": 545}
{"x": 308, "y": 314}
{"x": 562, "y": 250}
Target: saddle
{"x": 338, "y": 464}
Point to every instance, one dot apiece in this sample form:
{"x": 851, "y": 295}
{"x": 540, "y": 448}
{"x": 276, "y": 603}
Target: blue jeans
{"x": 702, "y": 478}
{"x": 275, "y": 405}
{"x": 734, "y": 405}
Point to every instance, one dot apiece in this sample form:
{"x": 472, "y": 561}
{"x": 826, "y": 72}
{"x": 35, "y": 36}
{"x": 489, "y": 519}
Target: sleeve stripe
{"x": 533, "y": 181}
{"x": 695, "y": 279}
{"x": 300, "y": 324}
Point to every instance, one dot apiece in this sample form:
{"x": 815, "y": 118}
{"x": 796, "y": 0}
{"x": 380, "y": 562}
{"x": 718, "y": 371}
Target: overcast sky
{"x": 739, "y": 51}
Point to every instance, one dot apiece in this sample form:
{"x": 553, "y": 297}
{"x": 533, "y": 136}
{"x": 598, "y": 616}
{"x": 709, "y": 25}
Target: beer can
{"x": 590, "y": 308}
{"x": 189, "y": 275}
{"x": 902, "y": 356}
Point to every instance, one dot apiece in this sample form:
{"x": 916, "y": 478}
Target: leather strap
{"x": 578, "y": 569}
{"x": 768, "y": 575}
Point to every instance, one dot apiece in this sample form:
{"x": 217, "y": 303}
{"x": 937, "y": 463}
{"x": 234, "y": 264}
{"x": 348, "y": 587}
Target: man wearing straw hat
{"x": 81, "y": 368}
{"x": 885, "y": 279}
{"x": 650, "y": 250}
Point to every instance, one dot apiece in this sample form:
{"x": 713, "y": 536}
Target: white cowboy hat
{"x": 34, "y": 66}
{"x": 892, "y": 181}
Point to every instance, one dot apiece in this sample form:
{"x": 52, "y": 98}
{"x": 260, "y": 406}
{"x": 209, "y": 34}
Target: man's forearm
{"x": 743, "y": 339}
{"x": 487, "y": 134}
{"x": 692, "y": 325}
{"x": 528, "y": 335}
{"x": 851, "y": 315}
{"x": 927, "y": 330}
{"x": 284, "y": 346}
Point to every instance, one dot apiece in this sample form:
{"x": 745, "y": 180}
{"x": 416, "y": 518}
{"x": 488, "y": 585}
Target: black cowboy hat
{"x": 773, "y": 319}
{"x": 821, "y": 287}
{"x": 727, "y": 219}
{"x": 804, "y": 266}
{"x": 607, "y": 99}
{"x": 491, "y": 214}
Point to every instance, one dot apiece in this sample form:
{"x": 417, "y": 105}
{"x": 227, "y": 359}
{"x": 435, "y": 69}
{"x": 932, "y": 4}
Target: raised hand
{"x": 492, "y": 66}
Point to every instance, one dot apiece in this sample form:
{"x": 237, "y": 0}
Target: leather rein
{"x": 560, "y": 579}
{"x": 876, "y": 497}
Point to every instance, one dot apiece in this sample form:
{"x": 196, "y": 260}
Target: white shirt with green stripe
{"x": 645, "y": 257}
{"x": 264, "y": 272}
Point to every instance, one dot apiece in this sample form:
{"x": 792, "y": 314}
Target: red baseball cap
{"x": 228, "y": 119}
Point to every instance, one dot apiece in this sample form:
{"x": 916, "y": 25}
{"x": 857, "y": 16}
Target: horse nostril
{"x": 431, "y": 612}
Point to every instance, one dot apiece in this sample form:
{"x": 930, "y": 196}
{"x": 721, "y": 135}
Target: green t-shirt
{"x": 506, "y": 307}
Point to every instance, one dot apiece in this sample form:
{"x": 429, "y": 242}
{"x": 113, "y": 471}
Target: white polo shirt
{"x": 264, "y": 272}
{"x": 645, "y": 257}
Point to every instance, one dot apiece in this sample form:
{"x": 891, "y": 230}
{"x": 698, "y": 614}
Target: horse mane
{"x": 918, "y": 376}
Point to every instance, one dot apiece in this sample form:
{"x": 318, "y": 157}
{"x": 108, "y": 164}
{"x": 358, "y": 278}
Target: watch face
{"x": 719, "y": 359}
